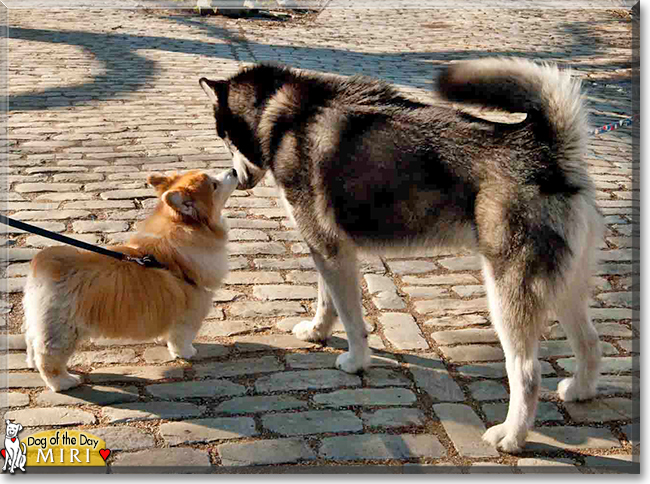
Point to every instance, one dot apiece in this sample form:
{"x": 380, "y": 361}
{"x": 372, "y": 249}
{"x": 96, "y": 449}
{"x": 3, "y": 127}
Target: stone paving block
{"x": 388, "y": 300}
{"x": 366, "y": 397}
{"x": 411, "y": 266}
{"x": 381, "y": 447}
{"x": 35, "y": 417}
{"x": 124, "y": 438}
{"x": 546, "y": 411}
{"x": 444, "y": 307}
{"x": 270, "y": 342}
{"x": 22, "y": 380}
{"x": 84, "y": 395}
{"x": 487, "y": 390}
{"x": 265, "y": 452}
{"x": 465, "y": 429}
{"x": 469, "y": 263}
{"x": 451, "y": 279}
{"x": 547, "y": 465}
{"x": 182, "y": 459}
{"x": 602, "y": 410}
{"x": 231, "y": 327}
{"x": 284, "y": 291}
{"x": 490, "y": 468}
{"x": 267, "y": 403}
{"x": 312, "y": 422}
{"x": 311, "y": 360}
{"x": 256, "y": 248}
{"x": 109, "y": 356}
{"x": 614, "y": 464}
{"x": 249, "y": 277}
{"x": 253, "y": 309}
{"x": 13, "y": 399}
{"x": 195, "y": 389}
{"x": 548, "y": 349}
{"x": 384, "y": 377}
{"x": 393, "y": 417}
{"x": 614, "y": 365}
{"x": 426, "y": 292}
{"x": 302, "y": 277}
{"x": 302, "y": 263}
{"x": 402, "y": 331}
{"x": 15, "y": 361}
{"x": 473, "y": 353}
{"x": 306, "y": 380}
{"x": 457, "y": 321}
{"x": 42, "y": 242}
{"x": 465, "y": 336}
{"x": 432, "y": 376}
{"x": 377, "y": 283}
{"x": 134, "y": 374}
{"x": 569, "y": 437}
{"x": 130, "y": 412}
{"x": 103, "y": 226}
{"x": 248, "y": 366}
{"x": 207, "y": 430}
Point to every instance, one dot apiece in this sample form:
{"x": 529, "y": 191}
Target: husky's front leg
{"x": 320, "y": 328}
{"x": 340, "y": 275}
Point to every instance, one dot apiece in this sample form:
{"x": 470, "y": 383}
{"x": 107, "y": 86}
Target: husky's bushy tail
{"x": 552, "y": 99}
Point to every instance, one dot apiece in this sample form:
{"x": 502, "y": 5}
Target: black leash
{"x": 146, "y": 261}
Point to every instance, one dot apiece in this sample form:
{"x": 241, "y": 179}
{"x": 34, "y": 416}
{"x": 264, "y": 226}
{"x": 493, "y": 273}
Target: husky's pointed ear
{"x": 216, "y": 90}
{"x": 180, "y": 202}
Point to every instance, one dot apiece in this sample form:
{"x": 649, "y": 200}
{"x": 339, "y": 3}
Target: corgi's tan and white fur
{"x": 73, "y": 295}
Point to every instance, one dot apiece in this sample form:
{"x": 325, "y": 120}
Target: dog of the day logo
{"x": 63, "y": 448}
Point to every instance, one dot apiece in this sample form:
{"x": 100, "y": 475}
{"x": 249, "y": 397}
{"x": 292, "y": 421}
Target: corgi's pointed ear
{"x": 180, "y": 202}
{"x": 160, "y": 182}
{"x": 216, "y": 90}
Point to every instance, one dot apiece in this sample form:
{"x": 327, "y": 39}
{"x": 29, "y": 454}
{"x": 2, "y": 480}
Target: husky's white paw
{"x": 306, "y": 331}
{"x": 64, "y": 382}
{"x": 505, "y": 438}
{"x": 350, "y": 363}
{"x": 570, "y": 391}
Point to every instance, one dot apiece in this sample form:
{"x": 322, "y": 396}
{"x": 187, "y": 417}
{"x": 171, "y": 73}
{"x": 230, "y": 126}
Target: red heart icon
{"x": 13, "y": 439}
{"x": 4, "y": 453}
{"x": 104, "y": 453}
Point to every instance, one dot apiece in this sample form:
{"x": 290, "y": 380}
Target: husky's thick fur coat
{"x": 363, "y": 167}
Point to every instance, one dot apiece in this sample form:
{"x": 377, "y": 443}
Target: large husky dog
{"x": 363, "y": 167}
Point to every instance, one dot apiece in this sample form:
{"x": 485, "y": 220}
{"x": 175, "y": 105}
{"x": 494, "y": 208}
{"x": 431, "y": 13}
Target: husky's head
{"x": 239, "y": 105}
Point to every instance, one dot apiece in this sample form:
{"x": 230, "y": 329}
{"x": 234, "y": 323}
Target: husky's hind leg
{"x": 572, "y": 310}
{"x": 517, "y": 318}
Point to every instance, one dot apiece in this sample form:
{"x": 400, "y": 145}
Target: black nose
{"x": 233, "y": 172}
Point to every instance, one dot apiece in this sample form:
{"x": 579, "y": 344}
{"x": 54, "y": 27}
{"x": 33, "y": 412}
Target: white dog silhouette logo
{"x": 13, "y": 454}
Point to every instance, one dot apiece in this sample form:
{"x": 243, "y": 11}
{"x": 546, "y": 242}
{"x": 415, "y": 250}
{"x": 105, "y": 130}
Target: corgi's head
{"x": 195, "y": 197}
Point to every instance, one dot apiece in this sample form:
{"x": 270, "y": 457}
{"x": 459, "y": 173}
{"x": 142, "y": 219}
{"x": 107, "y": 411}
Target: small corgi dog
{"x": 73, "y": 295}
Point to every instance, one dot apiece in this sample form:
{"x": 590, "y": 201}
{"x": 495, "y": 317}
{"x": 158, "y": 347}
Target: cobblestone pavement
{"x": 98, "y": 99}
